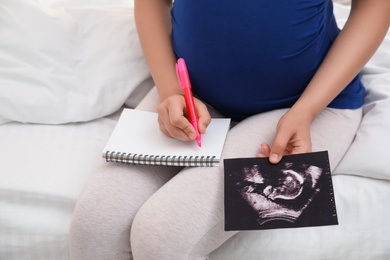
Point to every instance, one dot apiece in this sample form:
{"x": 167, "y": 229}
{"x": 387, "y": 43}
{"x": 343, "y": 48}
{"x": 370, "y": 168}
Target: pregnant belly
{"x": 251, "y": 56}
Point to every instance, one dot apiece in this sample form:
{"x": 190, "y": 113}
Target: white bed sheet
{"x": 42, "y": 171}
{"x": 362, "y": 234}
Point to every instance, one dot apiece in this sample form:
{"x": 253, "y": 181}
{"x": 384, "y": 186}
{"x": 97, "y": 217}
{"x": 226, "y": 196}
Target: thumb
{"x": 204, "y": 117}
{"x": 278, "y": 147}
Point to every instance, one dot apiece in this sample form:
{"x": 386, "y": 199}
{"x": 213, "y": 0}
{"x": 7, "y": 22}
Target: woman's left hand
{"x": 292, "y": 137}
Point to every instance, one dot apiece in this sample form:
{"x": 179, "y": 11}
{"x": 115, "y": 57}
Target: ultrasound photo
{"x": 297, "y": 192}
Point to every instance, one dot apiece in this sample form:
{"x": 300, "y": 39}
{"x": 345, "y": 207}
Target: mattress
{"x": 42, "y": 171}
{"x": 363, "y": 231}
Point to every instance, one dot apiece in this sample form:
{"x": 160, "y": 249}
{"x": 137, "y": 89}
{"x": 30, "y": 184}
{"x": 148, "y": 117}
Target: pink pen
{"x": 185, "y": 84}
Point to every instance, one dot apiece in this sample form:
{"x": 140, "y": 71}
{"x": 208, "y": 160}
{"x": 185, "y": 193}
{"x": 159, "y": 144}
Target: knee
{"x": 162, "y": 232}
{"x": 81, "y": 229}
{"x": 142, "y": 238}
{"x": 98, "y": 232}
{"x": 152, "y": 236}
{"x": 158, "y": 235}
{"x": 86, "y": 228}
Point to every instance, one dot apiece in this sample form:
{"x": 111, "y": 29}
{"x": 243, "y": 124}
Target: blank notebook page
{"x": 137, "y": 132}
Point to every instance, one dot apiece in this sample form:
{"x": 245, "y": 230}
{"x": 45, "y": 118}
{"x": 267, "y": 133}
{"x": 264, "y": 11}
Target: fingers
{"x": 279, "y": 146}
{"x": 292, "y": 137}
{"x": 204, "y": 118}
{"x": 264, "y": 150}
{"x": 173, "y": 122}
{"x": 282, "y": 137}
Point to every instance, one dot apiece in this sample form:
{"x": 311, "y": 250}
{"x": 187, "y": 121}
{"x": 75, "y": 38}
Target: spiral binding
{"x": 144, "y": 159}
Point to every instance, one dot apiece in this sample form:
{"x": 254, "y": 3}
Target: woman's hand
{"x": 292, "y": 137}
{"x": 172, "y": 118}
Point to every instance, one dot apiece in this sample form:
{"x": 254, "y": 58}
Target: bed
{"x": 68, "y": 67}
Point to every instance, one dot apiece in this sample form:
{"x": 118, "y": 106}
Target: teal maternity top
{"x": 250, "y": 56}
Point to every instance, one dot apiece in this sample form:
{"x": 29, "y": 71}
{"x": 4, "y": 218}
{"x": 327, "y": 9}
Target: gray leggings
{"x": 172, "y": 213}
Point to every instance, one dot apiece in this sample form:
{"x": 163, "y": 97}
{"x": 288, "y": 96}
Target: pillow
{"x": 369, "y": 152}
{"x": 66, "y": 64}
{"x": 343, "y": 2}
{"x": 73, "y": 3}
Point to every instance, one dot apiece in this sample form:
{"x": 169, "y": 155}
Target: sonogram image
{"x": 263, "y": 195}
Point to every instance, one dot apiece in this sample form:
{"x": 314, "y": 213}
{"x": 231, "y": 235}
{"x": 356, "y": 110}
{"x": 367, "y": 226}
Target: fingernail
{"x": 192, "y": 136}
{"x": 274, "y": 157}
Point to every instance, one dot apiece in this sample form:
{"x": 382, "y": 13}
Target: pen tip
{"x": 199, "y": 143}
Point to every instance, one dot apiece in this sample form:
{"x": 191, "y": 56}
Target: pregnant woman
{"x": 284, "y": 73}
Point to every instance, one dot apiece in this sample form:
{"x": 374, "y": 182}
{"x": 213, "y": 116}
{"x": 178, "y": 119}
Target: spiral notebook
{"x": 297, "y": 192}
{"x": 137, "y": 139}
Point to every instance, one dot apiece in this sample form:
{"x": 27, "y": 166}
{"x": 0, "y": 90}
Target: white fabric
{"x": 73, "y": 3}
{"x": 42, "y": 171}
{"x": 43, "y": 168}
{"x": 369, "y": 153}
{"x": 60, "y": 59}
{"x": 343, "y": 2}
{"x": 362, "y": 233}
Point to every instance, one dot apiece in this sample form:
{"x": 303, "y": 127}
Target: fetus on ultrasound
{"x": 278, "y": 194}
